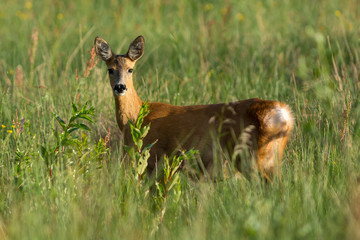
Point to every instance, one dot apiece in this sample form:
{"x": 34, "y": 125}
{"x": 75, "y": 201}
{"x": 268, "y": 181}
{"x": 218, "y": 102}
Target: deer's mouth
{"x": 119, "y": 93}
{"x": 120, "y": 89}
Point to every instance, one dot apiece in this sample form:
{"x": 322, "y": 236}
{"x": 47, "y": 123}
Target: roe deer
{"x": 186, "y": 127}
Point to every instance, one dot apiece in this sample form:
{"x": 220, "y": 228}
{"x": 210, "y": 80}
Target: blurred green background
{"x": 304, "y": 53}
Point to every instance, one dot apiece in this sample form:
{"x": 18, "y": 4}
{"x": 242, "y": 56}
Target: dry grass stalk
{"x": 91, "y": 63}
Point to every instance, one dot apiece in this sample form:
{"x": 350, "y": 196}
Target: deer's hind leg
{"x": 269, "y": 157}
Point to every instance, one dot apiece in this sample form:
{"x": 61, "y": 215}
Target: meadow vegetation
{"x": 64, "y": 174}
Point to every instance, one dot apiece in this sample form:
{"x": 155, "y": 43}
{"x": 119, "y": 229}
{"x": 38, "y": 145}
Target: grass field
{"x": 304, "y": 53}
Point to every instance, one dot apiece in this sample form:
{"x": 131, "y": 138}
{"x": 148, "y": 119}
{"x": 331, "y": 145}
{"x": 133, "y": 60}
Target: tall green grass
{"x": 305, "y": 53}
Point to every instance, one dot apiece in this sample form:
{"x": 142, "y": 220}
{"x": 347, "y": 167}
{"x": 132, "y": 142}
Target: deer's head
{"x": 120, "y": 67}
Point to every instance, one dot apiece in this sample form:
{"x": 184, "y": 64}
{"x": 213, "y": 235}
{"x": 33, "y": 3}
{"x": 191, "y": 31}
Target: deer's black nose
{"x": 120, "y": 88}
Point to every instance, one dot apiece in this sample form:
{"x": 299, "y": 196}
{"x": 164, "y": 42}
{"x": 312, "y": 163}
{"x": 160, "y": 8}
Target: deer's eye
{"x": 111, "y": 71}
{"x": 130, "y": 70}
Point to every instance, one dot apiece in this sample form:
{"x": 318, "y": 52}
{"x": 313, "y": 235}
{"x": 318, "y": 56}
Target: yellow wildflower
{"x": 60, "y": 16}
{"x": 3, "y": 126}
{"x": 28, "y": 5}
{"x": 11, "y": 72}
{"x": 208, "y": 6}
{"x": 240, "y": 17}
{"x": 337, "y": 13}
{"x": 13, "y": 126}
{"x": 9, "y": 131}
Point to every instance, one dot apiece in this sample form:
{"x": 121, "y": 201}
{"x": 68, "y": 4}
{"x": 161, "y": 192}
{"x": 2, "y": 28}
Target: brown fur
{"x": 186, "y": 127}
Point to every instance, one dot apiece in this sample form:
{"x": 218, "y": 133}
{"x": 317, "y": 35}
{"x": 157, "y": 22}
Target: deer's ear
{"x": 136, "y": 49}
{"x": 103, "y": 49}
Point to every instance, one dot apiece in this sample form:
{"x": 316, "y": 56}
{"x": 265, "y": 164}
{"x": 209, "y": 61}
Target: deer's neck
{"x": 127, "y": 106}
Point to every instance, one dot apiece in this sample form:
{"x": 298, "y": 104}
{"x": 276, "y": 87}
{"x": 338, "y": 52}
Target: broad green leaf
{"x": 60, "y": 121}
{"x": 160, "y": 188}
{"x": 174, "y": 180}
{"x": 72, "y": 129}
{"x": 84, "y": 107}
{"x": 143, "y": 162}
{"x": 135, "y": 134}
{"x": 150, "y": 145}
{"x": 139, "y": 144}
{"x": 175, "y": 165}
{"x": 85, "y": 116}
{"x": 145, "y": 131}
{"x": 80, "y": 126}
{"x": 74, "y": 108}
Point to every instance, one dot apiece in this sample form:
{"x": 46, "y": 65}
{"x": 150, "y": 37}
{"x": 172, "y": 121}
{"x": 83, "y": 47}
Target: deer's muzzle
{"x": 120, "y": 89}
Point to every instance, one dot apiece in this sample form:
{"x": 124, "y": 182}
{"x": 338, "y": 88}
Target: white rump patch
{"x": 278, "y": 118}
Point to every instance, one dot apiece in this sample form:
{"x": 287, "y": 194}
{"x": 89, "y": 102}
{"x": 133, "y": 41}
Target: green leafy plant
{"x": 68, "y": 136}
{"x": 22, "y": 166}
{"x": 138, "y": 154}
{"x": 71, "y": 147}
{"x": 171, "y": 182}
